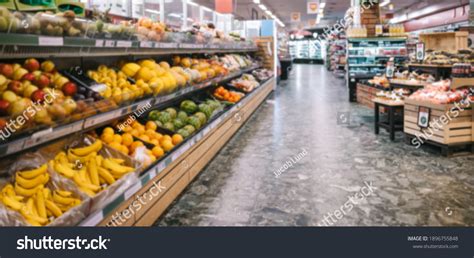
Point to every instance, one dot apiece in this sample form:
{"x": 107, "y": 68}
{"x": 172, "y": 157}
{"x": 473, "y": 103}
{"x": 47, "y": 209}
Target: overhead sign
{"x": 296, "y": 17}
{"x": 313, "y": 7}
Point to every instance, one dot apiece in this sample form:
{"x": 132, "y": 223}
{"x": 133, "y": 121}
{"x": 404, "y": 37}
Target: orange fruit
{"x": 116, "y": 146}
{"x": 118, "y": 138}
{"x": 144, "y": 138}
{"x": 177, "y": 139}
{"x": 167, "y": 145}
{"x": 135, "y": 132}
{"x": 127, "y": 139}
{"x": 127, "y": 129}
{"x": 155, "y": 142}
{"x": 107, "y": 138}
{"x": 152, "y": 158}
{"x": 136, "y": 124}
{"x": 150, "y": 133}
{"x": 158, "y": 136}
{"x": 150, "y": 125}
{"x": 135, "y": 145}
{"x": 141, "y": 129}
{"x": 108, "y": 130}
{"x": 158, "y": 152}
{"x": 124, "y": 150}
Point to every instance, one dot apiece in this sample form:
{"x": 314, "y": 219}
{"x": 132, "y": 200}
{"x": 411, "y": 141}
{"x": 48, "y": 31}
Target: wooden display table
{"x": 391, "y": 107}
{"x": 438, "y": 71}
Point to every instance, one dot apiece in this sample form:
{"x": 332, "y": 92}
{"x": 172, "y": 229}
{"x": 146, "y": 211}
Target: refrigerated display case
{"x": 306, "y": 51}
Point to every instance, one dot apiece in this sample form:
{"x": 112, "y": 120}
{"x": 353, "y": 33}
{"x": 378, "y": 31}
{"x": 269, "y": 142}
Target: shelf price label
{"x": 124, "y": 44}
{"x": 146, "y": 44}
{"x": 109, "y": 43}
{"x": 50, "y": 41}
{"x": 420, "y": 51}
{"x": 14, "y": 147}
{"x": 132, "y": 190}
{"x": 99, "y": 43}
{"x": 101, "y": 118}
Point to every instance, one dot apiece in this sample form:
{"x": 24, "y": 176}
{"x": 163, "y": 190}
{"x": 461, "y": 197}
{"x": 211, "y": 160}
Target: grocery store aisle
{"x": 331, "y": 162}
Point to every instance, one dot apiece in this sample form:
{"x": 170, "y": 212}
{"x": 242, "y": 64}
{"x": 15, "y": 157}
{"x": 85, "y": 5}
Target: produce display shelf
{"x": 358, "y": 56}
{"x": 54, "y": 133}
{"x": 253, "y": 99}
{"x": 26, "y": 45}
{"x": 377, "y": 39}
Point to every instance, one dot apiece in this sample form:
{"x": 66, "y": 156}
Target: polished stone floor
{"x": 331, "y": 156}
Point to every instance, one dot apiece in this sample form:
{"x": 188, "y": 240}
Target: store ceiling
{"x": 335, "y": 9}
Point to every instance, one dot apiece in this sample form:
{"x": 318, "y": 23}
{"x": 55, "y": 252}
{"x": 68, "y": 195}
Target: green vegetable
{"x": 194, "y": 121}
{"x": 206, "y": 109}
{"x": 164, "y": 117}
{"x": 178, "y": 123}
{"x": 173, "y": 113}
{"x": 169, "y": 126}
{"x": 190, "y": 129}
{"x": 183, "y": 132}
{"x": 154, "y": 115}
{"x": 202, "y": 117}
{"x": 182, "y": 116}
{"x": 189, "y": 107}
{"x": 159, "y": 124}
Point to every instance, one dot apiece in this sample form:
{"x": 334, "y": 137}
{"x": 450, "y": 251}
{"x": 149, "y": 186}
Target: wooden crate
{"x": 365, "y": 95}
{"x": 445, "y": 41}
{"x": 455, "y": 130}
{"x": 266, "y": 51}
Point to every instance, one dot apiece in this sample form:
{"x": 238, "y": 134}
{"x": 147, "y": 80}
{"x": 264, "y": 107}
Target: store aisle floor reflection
{"x": 347, "y": 177}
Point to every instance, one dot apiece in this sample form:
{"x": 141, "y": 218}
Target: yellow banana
{"x": 99, "y": 160}
{"x": 113, "y": 166}
{"x": 93, "y": 173}
{"x": 47, "y": 193}
{"x": 9, "y": 190}
{"x": 84, "y": 151}
{"x": 102, "y": 181}
{"x": 30, "y": 174}
{"x": 84, "y": 184}
{"x": 32, "y": 183}
{"x": 64, "y": 170}
{"x": 87, "y": 191}
{"x": 107, "y": 176}
{"x": 12, "y": 203}
{"x": 118, "y": 161}
{"x": 73, "y": 158}
{"x": 62, "y": 158}
{"x": 31, "y": 207}
{"x": 33, "y": 219}
{"x": 61, "y": 199}
{"x": 40, "y": 204}
{"x": 63, "y": 193}
{"x": 55, "y": 210}
{"x": 27, "y": 192}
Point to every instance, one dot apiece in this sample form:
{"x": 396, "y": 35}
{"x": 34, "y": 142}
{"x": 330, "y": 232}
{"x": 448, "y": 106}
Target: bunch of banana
{"x": 90, "y": 171}
{"x": 30, "y": 196}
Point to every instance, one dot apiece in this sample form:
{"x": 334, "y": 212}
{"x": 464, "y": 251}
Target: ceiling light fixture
{"x": 384, "y": 3}
{"x": 256, "y": 1}
{"x": 322, "y": 5}
{"x": 268, "y": 13}
{"x": 390, "y": 7}
{"x": 263, "y": 7}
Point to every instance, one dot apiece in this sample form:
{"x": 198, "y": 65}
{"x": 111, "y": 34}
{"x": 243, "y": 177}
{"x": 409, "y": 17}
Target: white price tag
{"x": 109, "y": 43}
{"x": 132, "y": 191}
{"x": 99, "y": 43}
{"x": 42, "y": 133}
{"x": 15, "y": 146}
{"x": 161, "y": 167}
{"x": 99, "y": 87}
{"x": 101, "y": 119}
{"x": 123, "y": 43}
{"x": 152, "y": 174}
{"x": 146, "y": 44}
{"x": 50, "y": 41}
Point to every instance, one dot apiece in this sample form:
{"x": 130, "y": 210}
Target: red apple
{"x": 6, "y": 70}
{"x": 42, "y": 81}
{"x": 3, "y": 123}
{"x": 15, "y": 86}
{"x": 38, "y": 96}
{"x": 4, "y": 105}
{"x": 69, "y": 89}
{"x": 32, "y": 65}
{"x": 29, "y": 77}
